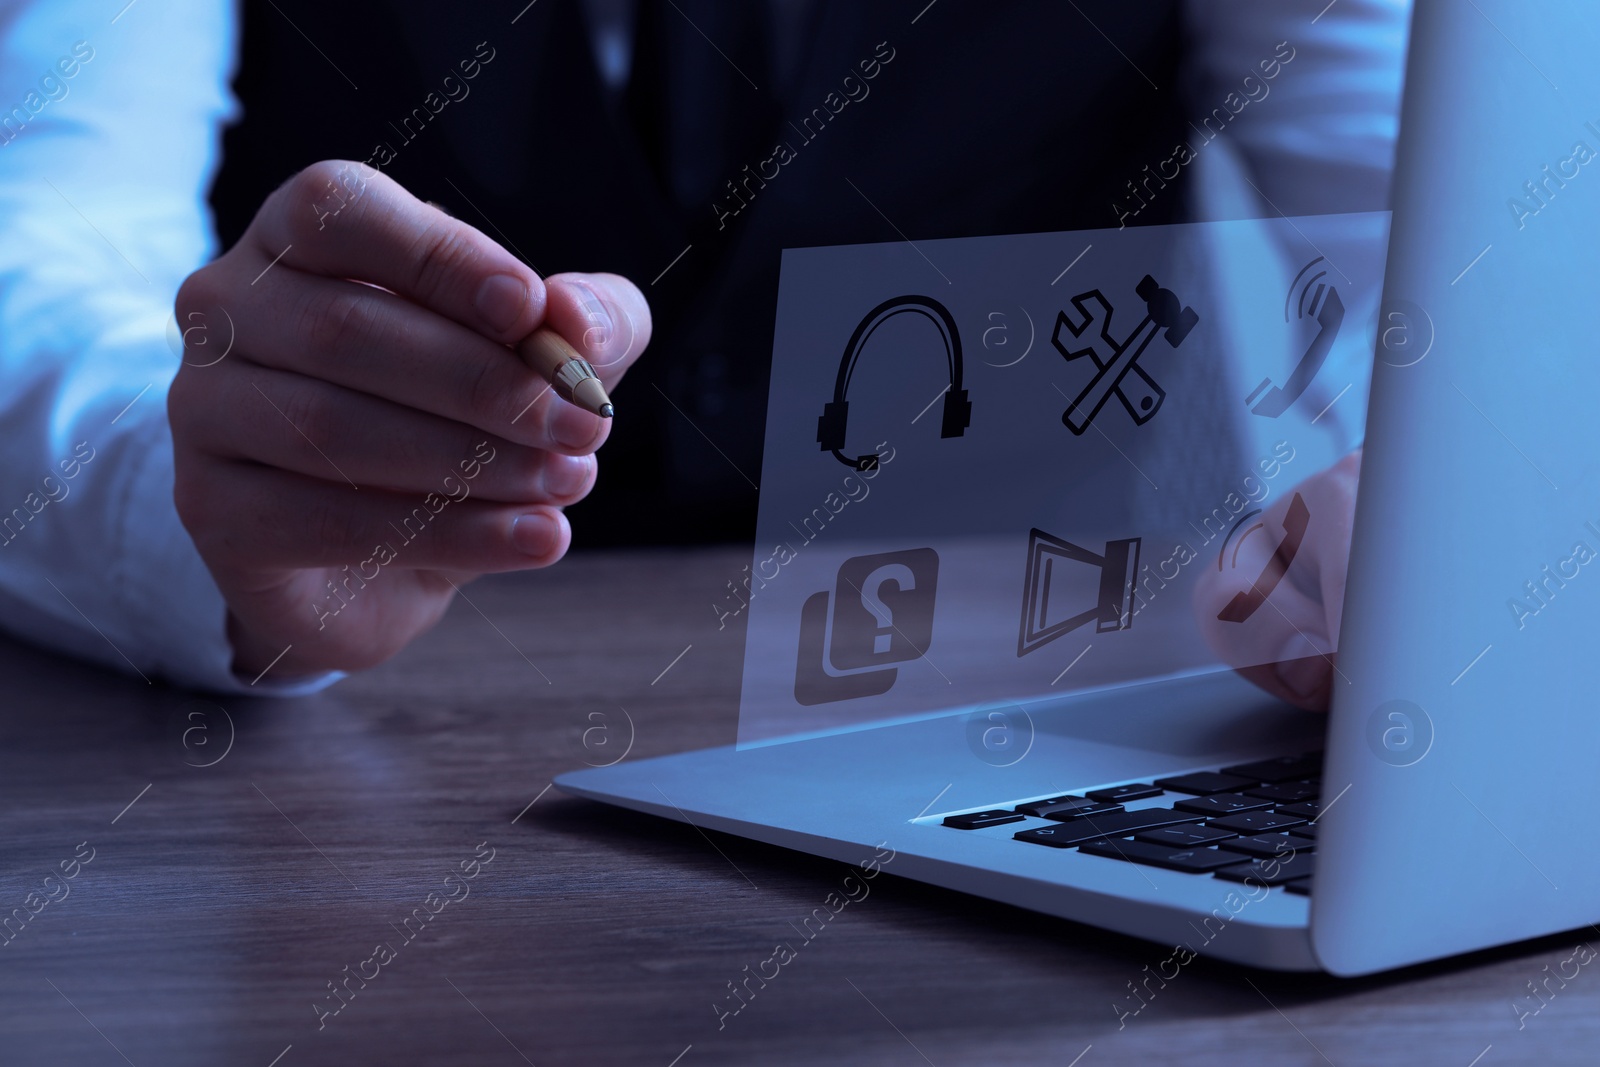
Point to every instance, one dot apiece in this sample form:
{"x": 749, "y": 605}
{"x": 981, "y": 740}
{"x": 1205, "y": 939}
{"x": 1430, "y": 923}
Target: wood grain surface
{"x": 246, "y": 852}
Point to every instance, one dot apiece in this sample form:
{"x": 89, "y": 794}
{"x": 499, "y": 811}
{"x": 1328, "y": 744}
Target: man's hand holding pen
{"x": 332, "y": 467}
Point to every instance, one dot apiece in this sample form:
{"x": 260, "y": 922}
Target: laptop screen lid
{"x": 1463, "y": 741}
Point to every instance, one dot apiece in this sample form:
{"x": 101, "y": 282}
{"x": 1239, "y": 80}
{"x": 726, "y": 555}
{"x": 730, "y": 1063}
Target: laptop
{"x": 962, "y": 672}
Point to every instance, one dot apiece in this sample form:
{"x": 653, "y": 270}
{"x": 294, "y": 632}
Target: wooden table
{"x": 245, "y": 853}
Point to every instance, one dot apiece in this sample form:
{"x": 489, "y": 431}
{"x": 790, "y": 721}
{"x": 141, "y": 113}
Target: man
{"x": 288, "y": 514}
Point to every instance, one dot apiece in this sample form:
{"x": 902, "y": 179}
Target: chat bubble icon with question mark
{"x": 881, "y": 614}
{"x": 883, "y": 608}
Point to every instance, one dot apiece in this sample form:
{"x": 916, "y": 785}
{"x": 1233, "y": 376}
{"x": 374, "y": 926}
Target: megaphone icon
{"x": 1047, "y": 596}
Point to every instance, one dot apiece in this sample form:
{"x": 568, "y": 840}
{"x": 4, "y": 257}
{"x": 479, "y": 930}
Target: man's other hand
{"x": 1283, "y": 646}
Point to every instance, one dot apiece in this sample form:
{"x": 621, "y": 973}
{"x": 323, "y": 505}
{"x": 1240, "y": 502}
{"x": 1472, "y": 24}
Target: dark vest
{"x": 977, "y": 119}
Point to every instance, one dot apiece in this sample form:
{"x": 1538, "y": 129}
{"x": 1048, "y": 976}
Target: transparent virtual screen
{"x": 997, "y": 468}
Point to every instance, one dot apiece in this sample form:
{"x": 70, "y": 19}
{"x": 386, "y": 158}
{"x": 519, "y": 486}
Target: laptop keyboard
{"x": 1251, "y": 822}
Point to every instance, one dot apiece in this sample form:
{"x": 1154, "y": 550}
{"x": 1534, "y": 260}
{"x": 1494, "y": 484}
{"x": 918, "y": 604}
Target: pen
{"x": 568, "y": 373}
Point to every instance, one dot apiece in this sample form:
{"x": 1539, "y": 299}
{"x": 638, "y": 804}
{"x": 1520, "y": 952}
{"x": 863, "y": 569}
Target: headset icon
{"x": 957, "y": 407}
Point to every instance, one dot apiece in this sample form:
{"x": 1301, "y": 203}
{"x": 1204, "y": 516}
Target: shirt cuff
{"x": 163, "y": 586}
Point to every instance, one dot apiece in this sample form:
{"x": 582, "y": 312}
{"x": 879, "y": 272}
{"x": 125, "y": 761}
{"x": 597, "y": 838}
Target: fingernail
{"x": 600, "y": 329}
{"x": 500, "y": 300}
{"x": 1301, "y": 666}
{"x": 573, "y": 426}
{"x": 565, "y": 476}
{"x": 535, "y": 533}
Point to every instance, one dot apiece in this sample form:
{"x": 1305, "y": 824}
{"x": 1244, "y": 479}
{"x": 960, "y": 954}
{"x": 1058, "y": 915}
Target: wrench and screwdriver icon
{"x": 1117, "y": 361}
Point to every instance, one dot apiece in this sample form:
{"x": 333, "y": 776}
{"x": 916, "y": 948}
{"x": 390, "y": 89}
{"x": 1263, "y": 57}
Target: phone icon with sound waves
{"x": 1244, "y": 604}
{"x": 1323, "y": 304}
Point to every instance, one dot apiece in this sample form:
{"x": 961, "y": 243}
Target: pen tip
{"x": 607, "y": 411}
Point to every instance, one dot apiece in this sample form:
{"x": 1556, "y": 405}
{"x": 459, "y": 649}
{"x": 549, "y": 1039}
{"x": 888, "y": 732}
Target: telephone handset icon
{"x": 1329, "y": 312}
{"x": 1243, "y": 605}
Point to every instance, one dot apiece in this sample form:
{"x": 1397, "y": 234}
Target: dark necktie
{"x": 700, "y": 95}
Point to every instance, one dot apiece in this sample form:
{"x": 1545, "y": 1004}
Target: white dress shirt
{"x": 103, "y": 180}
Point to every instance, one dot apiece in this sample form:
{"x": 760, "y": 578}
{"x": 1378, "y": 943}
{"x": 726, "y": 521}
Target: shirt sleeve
{"x": 1317, "y": 136}
{"x": 110, "y": 125}
{"x": 1293, "y": 110}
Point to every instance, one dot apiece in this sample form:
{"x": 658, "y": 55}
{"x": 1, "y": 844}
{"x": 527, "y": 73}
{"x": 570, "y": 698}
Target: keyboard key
{"x": 1054, "y": 836}
{"x": 1189, "y": 835}
{"x": 1112, "y": 824}
{"x": 1256, "y": 822}
{"x": 977, "y": 820}
{"x": 1204, "y": 783}
{"x": 1308, "y": 809}
{"x": 1063, "y": 807}
{"x": 1068, "y": 814}
{"x": 1027, "y": 809}
{"x": 1282, "y": 769}
{"x": 1286, "y": 792}
{"x": 1309, "y": 830}
{"x": 1266, "y": 846}
{"x": 1190, "y": 861}
{"x": 1301, "y": 887}
{"x": 1121, "y": 794}
{"x": 1222, "y": 804}
{"x": 1273, "y": 872}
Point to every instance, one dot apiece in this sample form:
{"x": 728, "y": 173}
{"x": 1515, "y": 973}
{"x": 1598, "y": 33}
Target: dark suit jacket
{"x": 979, "y": 118}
